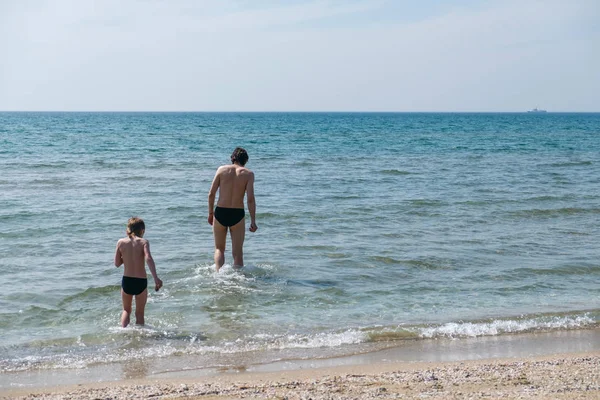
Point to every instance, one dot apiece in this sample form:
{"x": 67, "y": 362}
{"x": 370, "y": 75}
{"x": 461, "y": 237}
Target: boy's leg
{"x": 127, "y": 300}
{"x": 220, "y": 233}
{"x": 140, "y": 306}
{"x": 238, "y": 232}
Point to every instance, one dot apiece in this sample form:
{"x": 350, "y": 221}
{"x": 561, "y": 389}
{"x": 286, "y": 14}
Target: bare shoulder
{"x": 224, "y": 168}
{"x": 246, "y": 171}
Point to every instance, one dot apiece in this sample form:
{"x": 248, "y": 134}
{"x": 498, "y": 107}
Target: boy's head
{"x": 136, "y": 226}
{"x": 239, "y": 156}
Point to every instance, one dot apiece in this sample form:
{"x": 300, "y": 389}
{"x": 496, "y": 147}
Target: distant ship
{"x": 536, "y": 110}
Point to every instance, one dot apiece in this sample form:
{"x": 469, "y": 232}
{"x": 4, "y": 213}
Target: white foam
{"x": 326, "y": 339}
{"x": 145, "y": 331}
{"x": 295, "y": 341}
{"x": 177, "y": 343}
{"x": 497, "y": 327}
{"x": 266, "y": 267}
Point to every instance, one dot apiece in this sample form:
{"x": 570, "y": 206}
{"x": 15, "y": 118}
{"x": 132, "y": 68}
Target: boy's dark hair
{"x": 240, "y": 156}
{"x": 135, "y": 226}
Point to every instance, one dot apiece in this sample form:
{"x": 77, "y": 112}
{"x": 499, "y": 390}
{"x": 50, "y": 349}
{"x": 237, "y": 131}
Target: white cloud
{"x": 137, "y": 55}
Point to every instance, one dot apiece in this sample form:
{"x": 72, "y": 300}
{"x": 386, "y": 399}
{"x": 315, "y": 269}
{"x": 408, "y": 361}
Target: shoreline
{"x": 534, "y": 365}
{"x": 561, "y": 376}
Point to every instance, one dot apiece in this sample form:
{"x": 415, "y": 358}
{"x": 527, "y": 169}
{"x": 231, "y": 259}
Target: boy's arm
{"x": 251, "y": 203}
{"x": 118, "y": 256}
{"x": 211, "y": 196}
{"x": 150, "y": 261}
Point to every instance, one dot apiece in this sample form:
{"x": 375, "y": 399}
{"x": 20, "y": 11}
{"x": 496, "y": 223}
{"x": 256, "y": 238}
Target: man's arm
{"x": 150, "y": 261}
{"x": 211, "y": 196}
{"x": 118, "y": 256}
{"x": 251, "y": 202}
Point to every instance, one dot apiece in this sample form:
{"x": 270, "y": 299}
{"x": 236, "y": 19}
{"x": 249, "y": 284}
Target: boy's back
{"x": 133, "y": 250}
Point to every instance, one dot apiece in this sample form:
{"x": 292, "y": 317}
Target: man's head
{"x": 239, "y": 156}
{"x": 136, "y": 226}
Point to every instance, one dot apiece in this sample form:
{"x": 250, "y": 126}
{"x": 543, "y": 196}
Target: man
{"x": 233, "y": 182}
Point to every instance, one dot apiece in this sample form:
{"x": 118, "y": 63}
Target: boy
{"x": 134, "y": 251}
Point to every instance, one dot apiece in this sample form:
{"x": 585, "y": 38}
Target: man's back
{"x": 233, "y": 180}
{"x": 132, "y": 251}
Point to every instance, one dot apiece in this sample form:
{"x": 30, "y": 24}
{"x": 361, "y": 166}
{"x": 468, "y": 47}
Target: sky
{"x": 299, "y": 55}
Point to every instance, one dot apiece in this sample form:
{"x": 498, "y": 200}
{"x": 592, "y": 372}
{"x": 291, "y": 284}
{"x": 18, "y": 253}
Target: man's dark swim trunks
{"x": 229, "y": 216}
{"x": 134, "y": 286}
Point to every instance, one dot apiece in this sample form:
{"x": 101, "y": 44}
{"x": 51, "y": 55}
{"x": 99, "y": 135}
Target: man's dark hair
{"x": 240, "y": 156}
{"x": 135, "y": 226}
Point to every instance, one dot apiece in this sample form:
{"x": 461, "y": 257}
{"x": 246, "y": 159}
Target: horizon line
{"x": 298, "y": 111}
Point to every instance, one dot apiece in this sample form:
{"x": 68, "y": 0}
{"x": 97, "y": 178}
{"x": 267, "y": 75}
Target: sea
{"x": 375, "y": 230}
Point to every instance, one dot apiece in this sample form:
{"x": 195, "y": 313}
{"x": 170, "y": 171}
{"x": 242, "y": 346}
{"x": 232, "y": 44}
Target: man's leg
{"x": 237, "y": 242}
{"x": 140, "y": 306}
{"x": 127, "y": 299}
{"x": 220, "y": 233}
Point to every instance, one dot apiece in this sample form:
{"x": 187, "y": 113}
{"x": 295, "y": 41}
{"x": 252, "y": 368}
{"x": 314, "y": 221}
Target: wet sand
{"x": 573, "y": 376}
{"x": 562, "y": 365}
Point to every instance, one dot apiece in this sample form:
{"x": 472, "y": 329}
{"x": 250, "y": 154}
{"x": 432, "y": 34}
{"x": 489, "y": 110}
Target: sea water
{"x": 373, "y": 229}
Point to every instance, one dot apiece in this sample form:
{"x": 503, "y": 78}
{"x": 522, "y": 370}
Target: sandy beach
{"x": 329, "y": 199}
{"x": 563, "y": 376}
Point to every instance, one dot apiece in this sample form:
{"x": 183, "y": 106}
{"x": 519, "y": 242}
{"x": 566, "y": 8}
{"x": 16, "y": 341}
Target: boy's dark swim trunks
{"x": 134, "y": 286}
{"x": 229, "y": 216}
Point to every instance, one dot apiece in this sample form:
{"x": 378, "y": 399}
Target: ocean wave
{"x": 137, "y": 343}
{"x": 131, "y": 178}
{"x": 189, "y": 345}
{"x": 566, "y": 270}
{"x": 554, "y": 212}
{"x": 490, "y": 327}
{"x": 571, "y": 163}
{"x": 49, "y": 181}
{"x": 316, "y": 283}
{"x": 182, "y": 208}
{"x": 42, "y": 165}
{"x": 394, "y": 172}
{"x": 426, "y": 203}
{"x": 71, "y": 360}
{"x": 303, "y": 341}
{"x": 319, "y": 247}
{"x": 28, "y": 313}
{"x": 21, "y": 214}
{"x": 267, "y": 215}
{"x": 496, "y": 327}
{"x": 428, "y": 265}
{"x": 229, "y": 281}
{"x": 91, "y": 292}
{"x": 343, "y": 197}
{"x": 385, "y": 260}
{"x": 336, "y": 255}
{"x": 551, "y": 198}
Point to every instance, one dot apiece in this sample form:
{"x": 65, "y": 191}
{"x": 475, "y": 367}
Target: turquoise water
{"x": 373, "y": 228}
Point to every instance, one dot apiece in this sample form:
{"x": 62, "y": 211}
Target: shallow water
{"x": 373, "y": 228}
